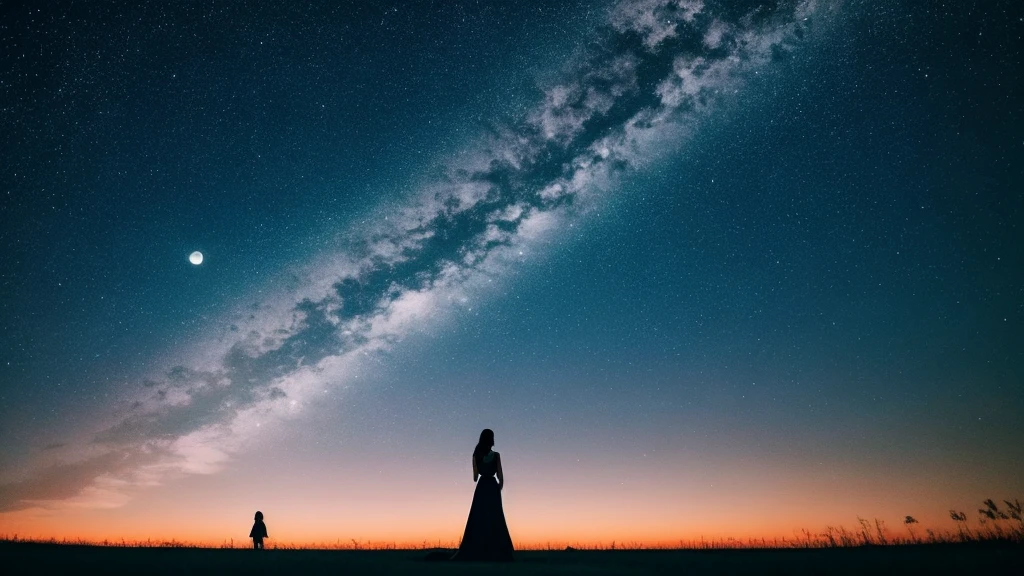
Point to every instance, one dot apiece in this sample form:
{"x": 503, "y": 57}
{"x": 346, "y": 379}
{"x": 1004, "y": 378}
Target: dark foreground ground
{"x": 960, "y": 559}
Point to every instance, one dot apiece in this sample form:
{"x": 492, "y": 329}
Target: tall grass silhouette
{"x": 994, "y": 524}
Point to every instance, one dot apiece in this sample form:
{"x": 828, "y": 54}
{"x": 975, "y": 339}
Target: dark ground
{"x": 960, "y": 559}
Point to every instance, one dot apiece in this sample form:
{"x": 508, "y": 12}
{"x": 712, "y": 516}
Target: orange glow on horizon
{"x": 29, "y": 525}
{"x": 550, "y": 502}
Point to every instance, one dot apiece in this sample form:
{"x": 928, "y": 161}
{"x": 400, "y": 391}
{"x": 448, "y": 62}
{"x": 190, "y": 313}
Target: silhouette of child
{"x": 258, "y": 532}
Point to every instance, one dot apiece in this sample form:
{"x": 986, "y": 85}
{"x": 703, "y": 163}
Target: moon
{"x": 196, "y": 257}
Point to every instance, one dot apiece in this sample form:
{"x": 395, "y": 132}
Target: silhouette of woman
{"x": 486, "y": 538}
{"x": 258, "y": 532}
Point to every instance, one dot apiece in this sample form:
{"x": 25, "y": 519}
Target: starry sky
{"x": 707, "y": 268}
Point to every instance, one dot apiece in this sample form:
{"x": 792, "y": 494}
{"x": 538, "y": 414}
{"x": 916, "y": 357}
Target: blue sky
{"x": 715, "y": 243}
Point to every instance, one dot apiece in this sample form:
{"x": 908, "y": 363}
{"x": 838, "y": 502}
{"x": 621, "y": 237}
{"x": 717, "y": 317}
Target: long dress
{"x": 486, "y": 538}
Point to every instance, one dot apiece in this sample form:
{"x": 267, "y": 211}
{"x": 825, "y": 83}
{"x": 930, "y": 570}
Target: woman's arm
{"x": 475, "y": 473}
{"x": 501, "y": 475}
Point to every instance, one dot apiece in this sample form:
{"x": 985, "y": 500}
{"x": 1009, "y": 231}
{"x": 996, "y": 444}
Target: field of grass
{"x": 995, "y": 544}
{"x": 959, "y": 558}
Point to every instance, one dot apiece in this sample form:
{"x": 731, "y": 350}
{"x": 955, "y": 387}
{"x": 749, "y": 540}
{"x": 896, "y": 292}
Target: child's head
{"x": 259, "y": 515}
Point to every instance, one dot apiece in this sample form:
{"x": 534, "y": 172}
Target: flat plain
{"x": 969, "y": 558}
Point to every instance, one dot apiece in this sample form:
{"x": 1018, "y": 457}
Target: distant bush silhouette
{"x": 999, "y": 525}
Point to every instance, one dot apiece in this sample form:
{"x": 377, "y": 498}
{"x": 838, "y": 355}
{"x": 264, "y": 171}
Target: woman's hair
{"x": 259, "y": 515}
{"x": 484, "y": 445}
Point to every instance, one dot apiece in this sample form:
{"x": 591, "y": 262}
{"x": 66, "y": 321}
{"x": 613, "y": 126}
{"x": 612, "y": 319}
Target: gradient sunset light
{"x": 709, "y": 269}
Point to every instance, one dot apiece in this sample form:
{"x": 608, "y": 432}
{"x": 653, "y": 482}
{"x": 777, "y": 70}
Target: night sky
{"x": 707, "y": 268}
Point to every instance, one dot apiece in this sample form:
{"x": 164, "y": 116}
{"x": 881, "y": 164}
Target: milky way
{"x": 655, "y": 69}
